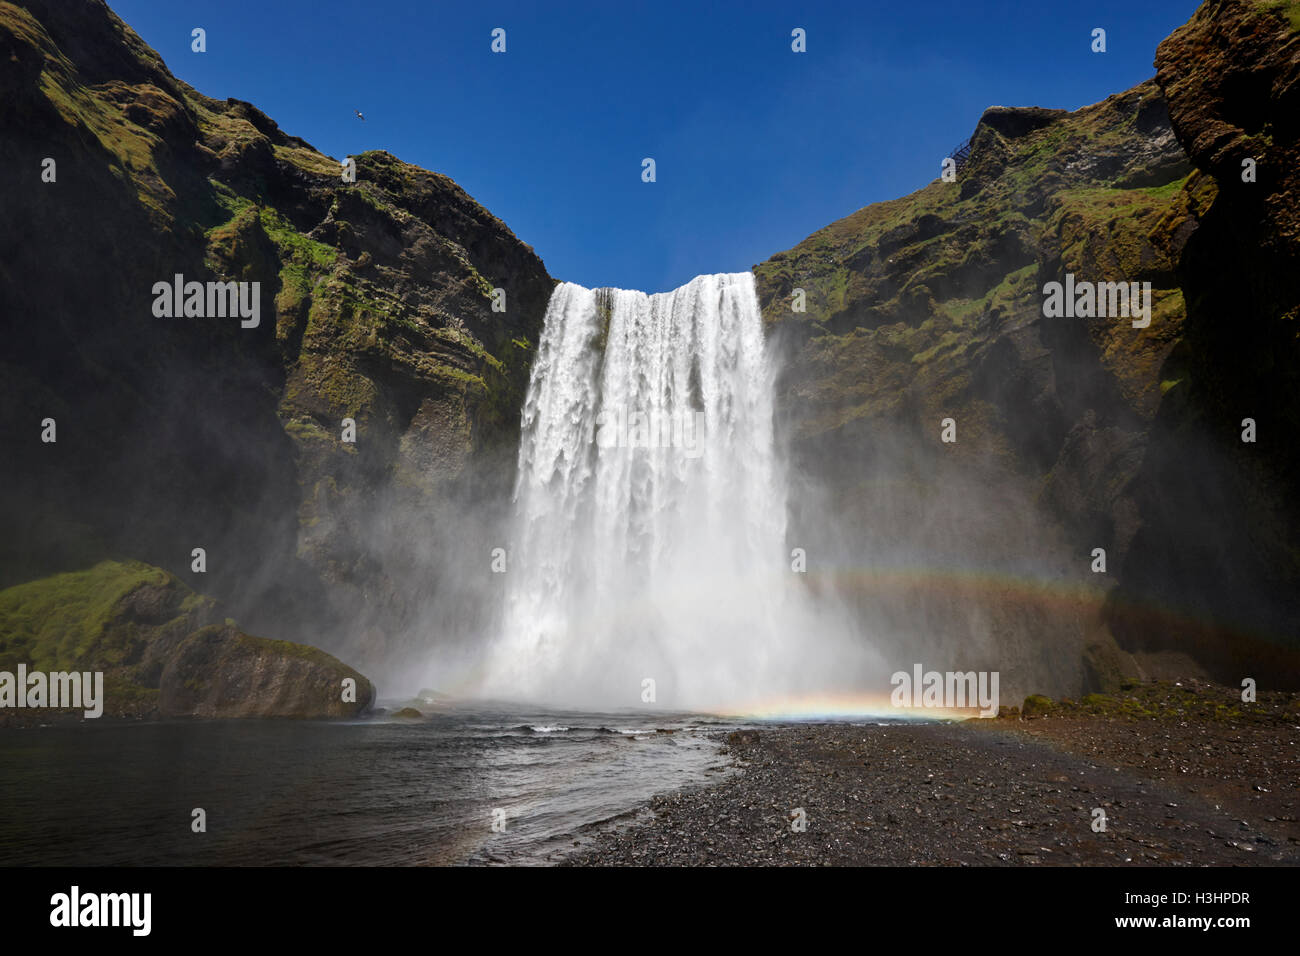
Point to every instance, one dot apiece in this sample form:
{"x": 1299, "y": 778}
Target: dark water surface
{"x": 371, "y": 792}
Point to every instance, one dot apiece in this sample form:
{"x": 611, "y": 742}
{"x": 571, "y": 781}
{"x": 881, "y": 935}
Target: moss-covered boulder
{"x": 165, "y": 651}
{"x": 1036, "y": 705}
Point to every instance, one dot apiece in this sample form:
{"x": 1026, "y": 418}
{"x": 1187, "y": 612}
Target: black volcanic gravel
{"x": 994, "y": 792}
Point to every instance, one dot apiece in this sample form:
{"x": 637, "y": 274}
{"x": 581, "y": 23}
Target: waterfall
{"x": 650, "y": 521}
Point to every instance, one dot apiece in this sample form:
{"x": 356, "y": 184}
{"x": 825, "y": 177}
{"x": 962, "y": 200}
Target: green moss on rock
{"x": 163, "y": 650}
{"x": 1036, "y": 705}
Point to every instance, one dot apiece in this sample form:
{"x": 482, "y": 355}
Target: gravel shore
{"x": 1183, "y": 775}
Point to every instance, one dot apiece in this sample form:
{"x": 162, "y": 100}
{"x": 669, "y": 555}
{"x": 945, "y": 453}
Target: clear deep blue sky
{"x": 756, "y": 146}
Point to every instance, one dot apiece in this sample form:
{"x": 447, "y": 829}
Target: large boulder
{"x": 165, "y": 651}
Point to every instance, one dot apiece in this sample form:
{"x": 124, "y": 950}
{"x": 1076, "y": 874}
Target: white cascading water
{"x": 649, "y": 536}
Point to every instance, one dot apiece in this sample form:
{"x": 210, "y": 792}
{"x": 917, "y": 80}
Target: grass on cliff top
{"x": 877, "y": 254}
{"x": 59, "y": 622}
{"x": 1289, "y": 10}
{"x": 912, "y": 280}
{"x": 130, "y": 144}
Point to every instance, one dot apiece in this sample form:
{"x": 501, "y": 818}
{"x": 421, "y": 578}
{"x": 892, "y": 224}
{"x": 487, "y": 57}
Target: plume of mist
{"x": 654, "y": 555}
{"x": 621, "y": 562}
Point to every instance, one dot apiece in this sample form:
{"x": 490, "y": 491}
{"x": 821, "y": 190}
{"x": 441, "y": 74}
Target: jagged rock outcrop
{"x": 165, "y": 651}
{"x": 1072, "y": 433}
{"x": 176, "y": 433}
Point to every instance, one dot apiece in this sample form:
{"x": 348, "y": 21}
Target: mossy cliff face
{"x": 175, "y": 433}
{"x": 1068, "y": 429}
{"x": 1220, "y": 521}
{"x": 164, "y": 650}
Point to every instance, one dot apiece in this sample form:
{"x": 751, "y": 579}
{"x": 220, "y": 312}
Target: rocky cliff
{"x": 1072, "y": 433}
{"x": 1075, "y": 436}
{"x": 175, "y": 433}
{"x": 1219, "y": 535}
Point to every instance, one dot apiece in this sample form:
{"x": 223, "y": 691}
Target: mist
{"x": 662, "y": 521}
{"x": 644, "y": 559}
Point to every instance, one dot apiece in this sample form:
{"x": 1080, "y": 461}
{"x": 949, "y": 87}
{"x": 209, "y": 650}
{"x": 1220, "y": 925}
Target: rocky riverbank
{"x": 1185, "y": 774}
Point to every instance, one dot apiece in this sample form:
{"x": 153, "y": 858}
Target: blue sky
{"x": 755, "y": 146}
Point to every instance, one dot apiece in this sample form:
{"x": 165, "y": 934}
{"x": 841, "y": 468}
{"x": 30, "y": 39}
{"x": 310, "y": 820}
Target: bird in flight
{"x": 359, "y": 116}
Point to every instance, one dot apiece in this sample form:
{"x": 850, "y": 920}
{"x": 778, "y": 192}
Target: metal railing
{"x": 961, "y": 153}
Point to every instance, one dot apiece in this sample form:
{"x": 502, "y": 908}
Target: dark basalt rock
{"x": 1213, "y": 570}
{"x": 1020, "y": 120}
{"x": 1074, "y": 433}
{"x": 177, "y": 433}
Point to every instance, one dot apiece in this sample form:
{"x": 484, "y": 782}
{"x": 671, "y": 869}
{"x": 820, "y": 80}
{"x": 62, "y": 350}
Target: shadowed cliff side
{"x": 177, "y": 433}
{"x": 1219, "y": 541}
{"x": 976, "y": 553}
{"x": 1072, "y": 433}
